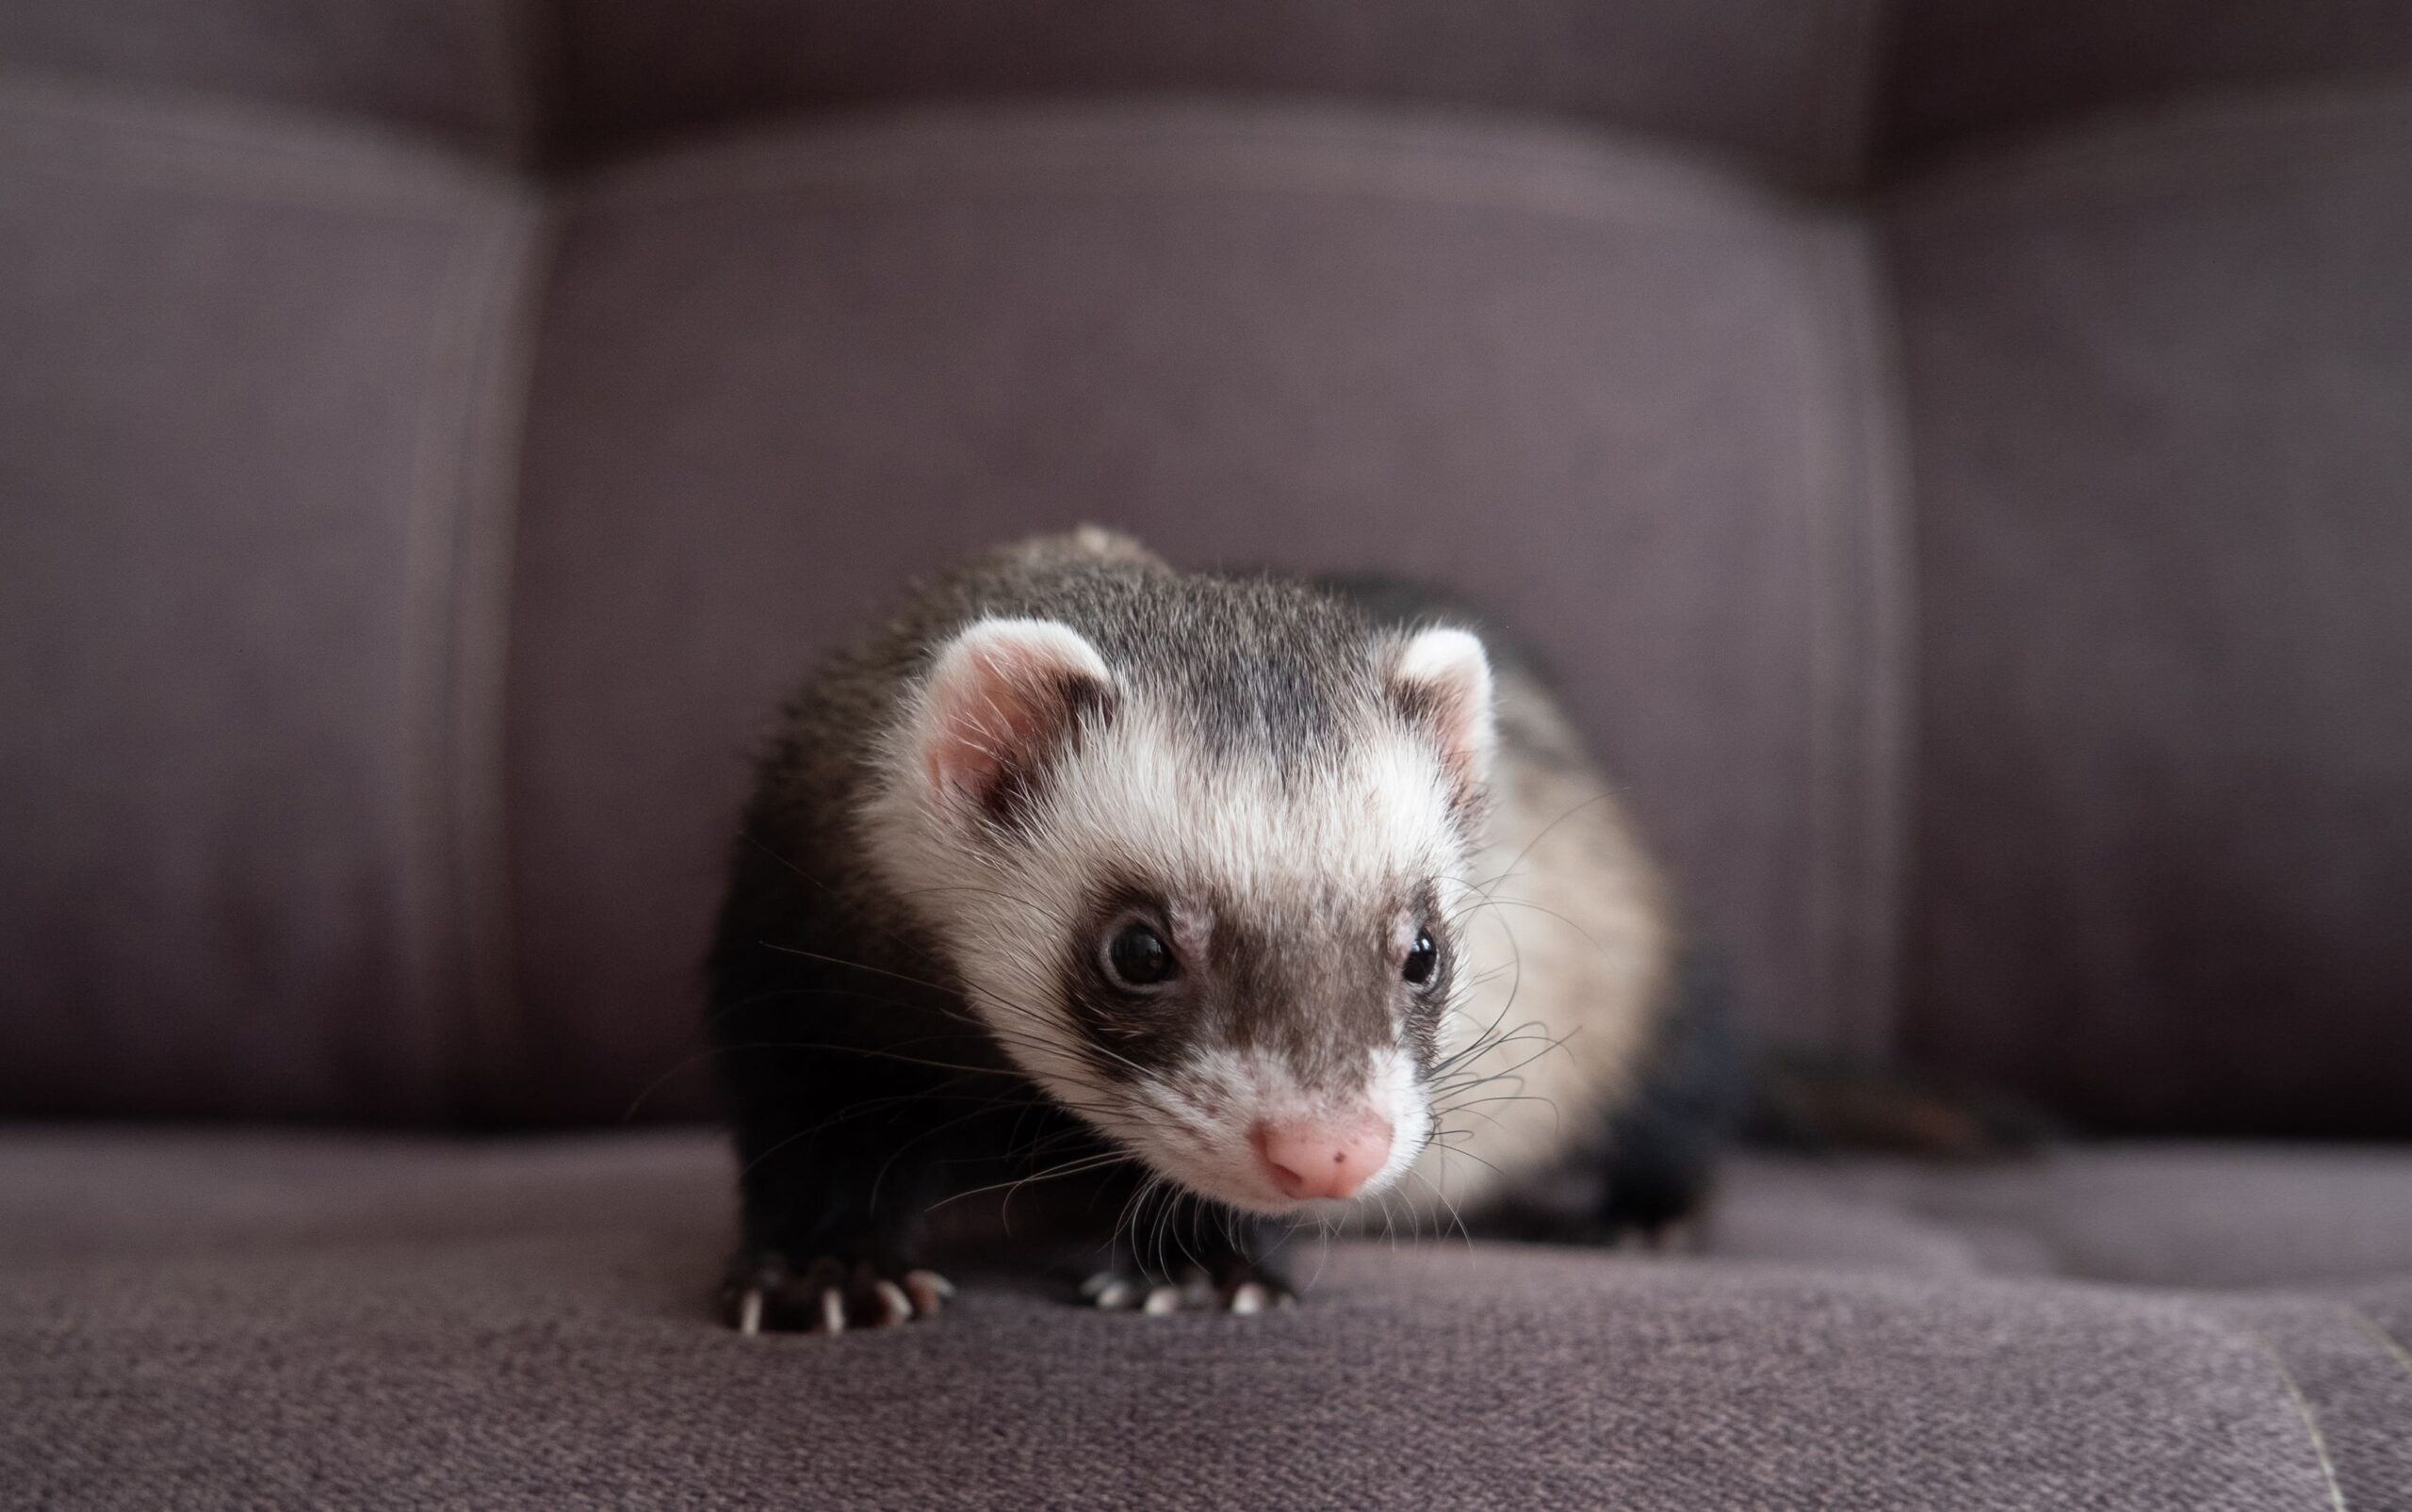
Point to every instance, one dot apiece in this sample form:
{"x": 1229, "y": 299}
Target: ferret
{"x": 1245, "y": 900}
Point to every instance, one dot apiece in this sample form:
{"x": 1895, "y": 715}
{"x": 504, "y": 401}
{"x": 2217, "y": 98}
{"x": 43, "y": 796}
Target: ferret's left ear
{"x": 1440, "y": 679}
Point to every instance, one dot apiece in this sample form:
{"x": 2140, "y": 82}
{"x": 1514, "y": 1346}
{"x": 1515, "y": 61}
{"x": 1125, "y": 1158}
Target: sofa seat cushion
{"x": 295, "y": 1321}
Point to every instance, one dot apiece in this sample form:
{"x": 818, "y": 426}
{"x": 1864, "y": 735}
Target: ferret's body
{"x": 1254, "y": 898}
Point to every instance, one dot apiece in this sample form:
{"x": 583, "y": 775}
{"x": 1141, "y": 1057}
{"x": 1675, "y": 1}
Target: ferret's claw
{"x": 1119, "y": 1291}
{"x": 765, "y": 1294}
{"x": 927, "y": 1289}
{"x": 1261, "y": 1294}
{"x": 895, "y": 1305}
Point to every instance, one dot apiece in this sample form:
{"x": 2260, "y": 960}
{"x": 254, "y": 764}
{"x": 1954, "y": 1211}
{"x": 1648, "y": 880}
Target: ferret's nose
{"x": 1323, "y": 1158}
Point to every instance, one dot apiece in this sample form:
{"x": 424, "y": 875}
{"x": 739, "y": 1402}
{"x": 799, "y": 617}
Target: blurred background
{"x": 1956, "y": 453}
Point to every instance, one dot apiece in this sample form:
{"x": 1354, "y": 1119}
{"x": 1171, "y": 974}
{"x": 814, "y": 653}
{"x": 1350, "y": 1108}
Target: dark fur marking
{"x": 1128, "y": 1029}
{"x": 1318, "y": 991}
{"x": 1319, "y": 994}
{"x": 1076, "y": 705}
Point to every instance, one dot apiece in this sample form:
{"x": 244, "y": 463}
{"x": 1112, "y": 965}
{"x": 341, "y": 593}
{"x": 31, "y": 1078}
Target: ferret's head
{"x": 1201, "y": 881}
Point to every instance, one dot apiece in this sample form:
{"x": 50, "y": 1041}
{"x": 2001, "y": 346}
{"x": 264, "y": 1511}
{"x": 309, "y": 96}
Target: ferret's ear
{"x": 1441, "y": 680}
{"x": 1003, "y": 699}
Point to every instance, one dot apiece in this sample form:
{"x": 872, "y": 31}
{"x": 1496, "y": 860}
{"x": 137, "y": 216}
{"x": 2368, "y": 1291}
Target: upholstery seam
{"x": 477, "y": 709}
{"x": 437, "y": 510}
{"x": 1566, "y": 173}
{"x": 2069, "y": 162}
{"x": 1896, "y": 633}
{"x": 281, "y": 156}
{"x": 1563, "y": 171}
{"x": 518, "y": 38}
{"x": 1826, "y": 467}
{"x": 2302, "y": 1403}
{"x": 457, "y": 545}
{"x": 2395, "y": 1349}
{"x": 1855, "y": 673}
{"x": 1843, "y": 115}
{"x": 1876, "y": 126}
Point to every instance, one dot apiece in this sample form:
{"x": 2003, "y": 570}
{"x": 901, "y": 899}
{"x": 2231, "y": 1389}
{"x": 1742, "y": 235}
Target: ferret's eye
{"x": 1140, "y": 957}
{"x": 1423, "y": 959}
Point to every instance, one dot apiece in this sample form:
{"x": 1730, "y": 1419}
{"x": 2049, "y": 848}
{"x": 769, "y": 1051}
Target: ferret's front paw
{"x": 1242, "y": 1288}
{"x": 766, "y": 1295}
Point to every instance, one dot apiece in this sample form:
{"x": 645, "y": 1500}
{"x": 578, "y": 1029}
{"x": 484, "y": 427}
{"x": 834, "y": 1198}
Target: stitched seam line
{"x": 476, "y": 820}
{"x": 1843, "y": 112}
{"x": 266, "y": 154}
{"x": 1826, "y": 468}
{"x": 435, "y": 521}
{"x": 1884, "y": 652}
{"x": 2302, "y": 1404}
{"x": 2377, "y": 1330}
{"x": 1893, "y": 649}
{"x": 1856, "y": 671}
{"x": 2159, "y": 154}
{"x": 1583, "y": 176}
{"x": 517, "y": 39}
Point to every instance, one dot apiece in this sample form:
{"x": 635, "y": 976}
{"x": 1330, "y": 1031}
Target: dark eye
{"x": 1140, "y": 957}
{"x": 1423, "y": 959}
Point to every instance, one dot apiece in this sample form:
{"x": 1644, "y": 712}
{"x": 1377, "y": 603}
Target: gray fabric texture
{"x": 273, "y": 1322}
{"x": 242, "y": 451}
{"x": 2353, "y": 1375}
{"x": 2159, "y": 380}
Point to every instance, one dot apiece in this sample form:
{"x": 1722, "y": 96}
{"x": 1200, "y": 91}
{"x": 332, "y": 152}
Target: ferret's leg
{"x": 1173, "y": 1253}
{"x": 833, "y": 1208}
{"x": 836, "y": 1138}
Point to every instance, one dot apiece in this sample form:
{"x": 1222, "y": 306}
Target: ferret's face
{"x": 1235, "y": 968}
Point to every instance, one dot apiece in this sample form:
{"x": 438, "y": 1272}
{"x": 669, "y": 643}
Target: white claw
{"x": 749, "y": 1313}
{"x": 1162, "y": 1300}
{"x": 931, "y": 1279}
{"x": 926, "y": 1289}
{"x": 833, "y": 1311}
{"x": 1095, "y": 1285}
{"x": 1252, "y": 1296}
{"x": 893, "y": 1299}
{"x": 1114, "y": 1294}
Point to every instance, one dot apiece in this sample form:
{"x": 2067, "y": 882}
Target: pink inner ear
{"x": 1006, "y": 697}
{"x": 986, "y": 729}
{"x": 1442, "y": 680}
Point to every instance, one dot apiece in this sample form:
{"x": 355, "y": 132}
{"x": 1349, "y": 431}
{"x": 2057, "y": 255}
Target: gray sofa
{"x": 1955, "y": 452}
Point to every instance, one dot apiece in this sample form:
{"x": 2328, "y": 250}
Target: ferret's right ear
{"x": 1440, "y": 679}
{"x": 1002, "y": 701}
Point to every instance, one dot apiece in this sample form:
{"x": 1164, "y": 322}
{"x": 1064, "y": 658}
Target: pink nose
{"x": 1321, "y": 1157}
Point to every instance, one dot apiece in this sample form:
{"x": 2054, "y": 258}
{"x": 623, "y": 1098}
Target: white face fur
{"x": 1035, "y": 805}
